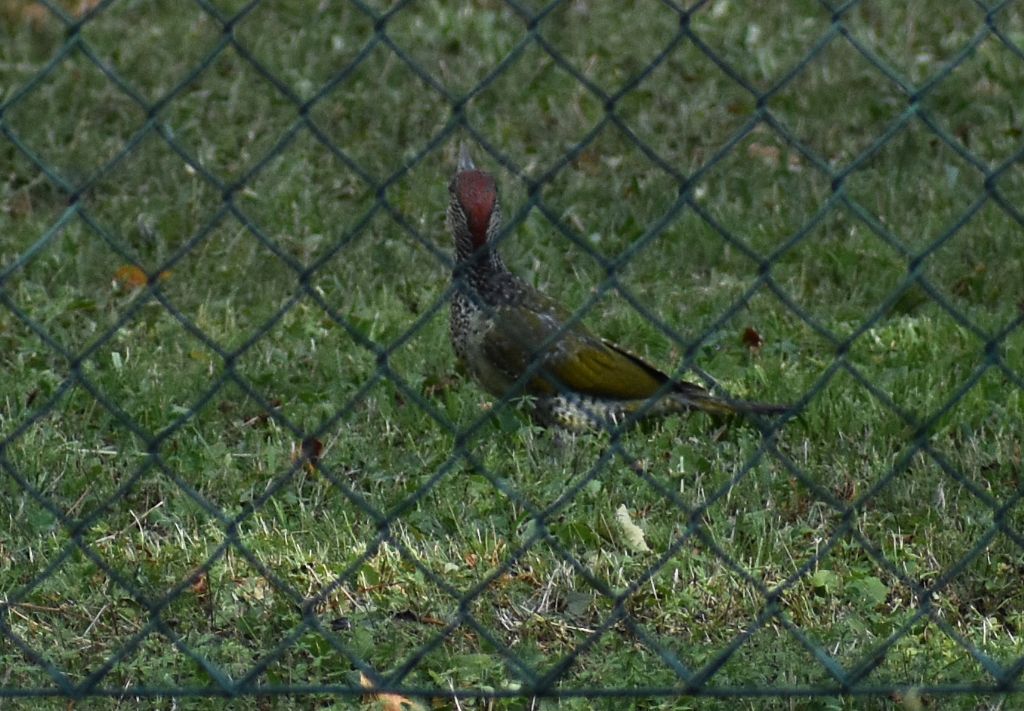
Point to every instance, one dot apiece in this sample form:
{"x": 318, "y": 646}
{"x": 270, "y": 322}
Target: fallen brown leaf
{"x": 751, "y": 338}
{"x": 772, "y": 155}
{"x": 388, "y": 702}
{"x": 130, "y": 276}
{"x": 309, "y": 452}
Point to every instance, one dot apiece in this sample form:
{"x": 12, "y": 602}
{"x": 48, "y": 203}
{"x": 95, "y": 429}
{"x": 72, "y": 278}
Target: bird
{"x": 511, "y": 337}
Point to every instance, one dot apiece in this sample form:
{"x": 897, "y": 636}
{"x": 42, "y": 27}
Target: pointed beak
{"x": 465, "y": 159}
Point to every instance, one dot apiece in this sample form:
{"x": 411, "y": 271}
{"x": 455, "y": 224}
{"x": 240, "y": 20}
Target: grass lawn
{"x": 223, "y": 248}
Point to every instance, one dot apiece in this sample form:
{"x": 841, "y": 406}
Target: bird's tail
{"x": 571, "y": 412}
{"x": 699, "y": 399}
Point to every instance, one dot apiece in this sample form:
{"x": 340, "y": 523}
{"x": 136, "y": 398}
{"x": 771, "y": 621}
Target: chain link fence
{"x": 236, "y": 458}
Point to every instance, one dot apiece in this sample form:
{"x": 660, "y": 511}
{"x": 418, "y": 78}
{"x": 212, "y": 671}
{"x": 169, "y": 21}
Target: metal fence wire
{"x": 157, "y": 542}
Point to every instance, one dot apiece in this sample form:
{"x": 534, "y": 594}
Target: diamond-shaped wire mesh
{"x": 236, "y": 456}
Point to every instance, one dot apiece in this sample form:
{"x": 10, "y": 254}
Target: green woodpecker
{"x": 500, "y": 326}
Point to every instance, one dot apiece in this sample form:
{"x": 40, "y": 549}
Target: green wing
{"x": 577, "y": 361}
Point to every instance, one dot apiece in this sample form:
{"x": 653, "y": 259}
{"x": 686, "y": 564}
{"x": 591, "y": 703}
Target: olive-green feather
{"x": 577, "y": 361}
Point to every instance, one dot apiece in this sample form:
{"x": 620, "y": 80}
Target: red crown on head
{"x": 477, "y": 194}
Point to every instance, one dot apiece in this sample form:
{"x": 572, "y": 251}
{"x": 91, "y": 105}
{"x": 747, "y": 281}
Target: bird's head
{"x": 474, "y": 213}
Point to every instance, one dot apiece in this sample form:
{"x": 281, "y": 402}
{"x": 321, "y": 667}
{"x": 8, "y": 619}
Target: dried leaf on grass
{"x": 308, "y": 452}
{"x": 751, "y": 338}
{"x": 772, "y": 155}
{"x": 131, "y": 277}
{"x": 388, "y": 702}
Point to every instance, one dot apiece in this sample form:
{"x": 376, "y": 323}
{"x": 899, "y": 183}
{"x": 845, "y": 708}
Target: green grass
{"x": 842, "y": 507}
